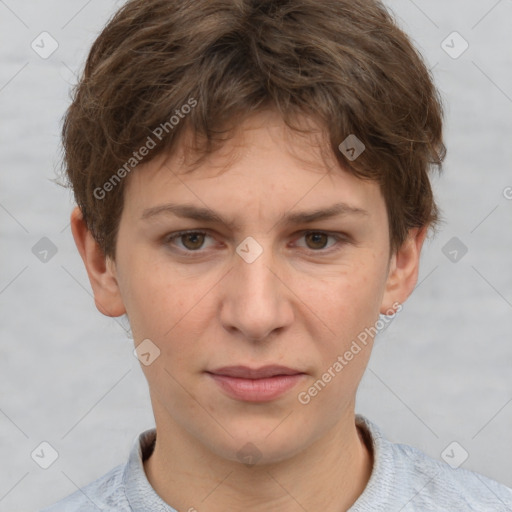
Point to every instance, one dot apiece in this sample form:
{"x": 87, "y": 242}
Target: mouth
{"x": 256, "y": 384}
{"x": 244, "y": 372}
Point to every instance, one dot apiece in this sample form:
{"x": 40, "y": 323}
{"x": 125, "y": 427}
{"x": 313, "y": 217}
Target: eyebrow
{"x": 188, "y": 211}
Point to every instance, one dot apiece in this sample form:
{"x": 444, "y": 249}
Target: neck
{"x": 329, "y": 475}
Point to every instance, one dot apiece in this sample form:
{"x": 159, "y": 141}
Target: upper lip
{"x": 244, "y": 372}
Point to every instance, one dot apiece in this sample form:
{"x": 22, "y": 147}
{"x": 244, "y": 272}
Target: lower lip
{"x": 256, "y": 390}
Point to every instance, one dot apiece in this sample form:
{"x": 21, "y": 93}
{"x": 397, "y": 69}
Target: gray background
{"x": 440, "y": 373}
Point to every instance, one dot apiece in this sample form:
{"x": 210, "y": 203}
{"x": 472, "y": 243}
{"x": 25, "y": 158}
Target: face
{"x": 257, "y": 289}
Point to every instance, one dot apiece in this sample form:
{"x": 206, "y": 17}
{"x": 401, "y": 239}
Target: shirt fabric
{"x": 403, "y": 479}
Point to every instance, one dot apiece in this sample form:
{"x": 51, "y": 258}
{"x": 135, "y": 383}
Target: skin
{"x": 292, "y": 306}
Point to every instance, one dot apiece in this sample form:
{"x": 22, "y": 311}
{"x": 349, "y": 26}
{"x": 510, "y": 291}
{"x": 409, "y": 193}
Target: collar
{"x": 142, "y": 497}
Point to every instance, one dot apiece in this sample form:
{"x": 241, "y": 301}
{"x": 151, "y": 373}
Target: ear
{"x": 101, "y": 270}
{"x": 403, "y": 271}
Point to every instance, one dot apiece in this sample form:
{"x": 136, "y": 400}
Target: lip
{"x": 244, "y": 372}
{"x": 256, "y": 384}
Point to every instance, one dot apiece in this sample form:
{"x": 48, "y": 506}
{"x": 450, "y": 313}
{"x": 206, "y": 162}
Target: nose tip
{"x": 258, "y": 339}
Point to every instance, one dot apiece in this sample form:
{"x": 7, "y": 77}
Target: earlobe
{"x": 403, "y": 271}
{"x": 101, "y": 270}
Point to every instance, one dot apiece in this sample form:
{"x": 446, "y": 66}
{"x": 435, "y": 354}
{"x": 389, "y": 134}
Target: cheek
{"x": 368, "y": 282}
{"x": 153, "y": 299}
{"x": 350, "y": 307}
{"x": 174, "y": 313}
{"x": 348, "y": 304}
{"x": 350, "y": 298}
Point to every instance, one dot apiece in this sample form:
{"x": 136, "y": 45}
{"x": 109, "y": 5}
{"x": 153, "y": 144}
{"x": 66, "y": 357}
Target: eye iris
{"x": 315, "y": 235}
{"x": 198, "y": 239}
{"x": 189, "y": 236}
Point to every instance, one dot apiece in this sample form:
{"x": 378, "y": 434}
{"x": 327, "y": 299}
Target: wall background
{"x": 440, "y": 373}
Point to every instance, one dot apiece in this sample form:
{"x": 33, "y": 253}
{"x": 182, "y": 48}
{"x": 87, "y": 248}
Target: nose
{"x": 255, "y": 300}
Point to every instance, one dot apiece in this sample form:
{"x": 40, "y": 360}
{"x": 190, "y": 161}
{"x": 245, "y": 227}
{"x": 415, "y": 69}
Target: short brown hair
{"x": 345, "y": 63}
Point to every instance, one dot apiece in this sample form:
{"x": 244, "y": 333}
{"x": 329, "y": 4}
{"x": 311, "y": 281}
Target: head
{"x": 242, "y": 109}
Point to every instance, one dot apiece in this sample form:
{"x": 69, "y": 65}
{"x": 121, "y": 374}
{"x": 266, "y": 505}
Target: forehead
{"x": 264, "y": 164}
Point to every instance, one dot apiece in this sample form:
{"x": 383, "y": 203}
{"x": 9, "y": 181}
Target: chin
{"x": 261, "y": 444}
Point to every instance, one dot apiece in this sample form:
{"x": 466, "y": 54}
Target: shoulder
{"x": 406, "y": 478}
{"x": 105, "y": 493}
{"x": 435, "y": 485}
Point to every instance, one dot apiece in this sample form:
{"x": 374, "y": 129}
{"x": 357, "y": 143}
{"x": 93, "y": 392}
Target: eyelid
{"x": 341, "y": 240}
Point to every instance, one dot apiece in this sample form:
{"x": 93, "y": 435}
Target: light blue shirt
{"x": 403, "y": 479}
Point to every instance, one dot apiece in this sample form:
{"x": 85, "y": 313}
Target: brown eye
{"x": 317, "y": 240}
{"x": 192, "y": 241}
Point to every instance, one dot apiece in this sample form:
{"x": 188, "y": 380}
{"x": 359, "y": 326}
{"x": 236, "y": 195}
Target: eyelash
{"x": 340, "y": 240}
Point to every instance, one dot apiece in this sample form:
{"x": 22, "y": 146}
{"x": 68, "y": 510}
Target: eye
{"x": 193, "y": 241}
{"x": 317, "y": 240}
